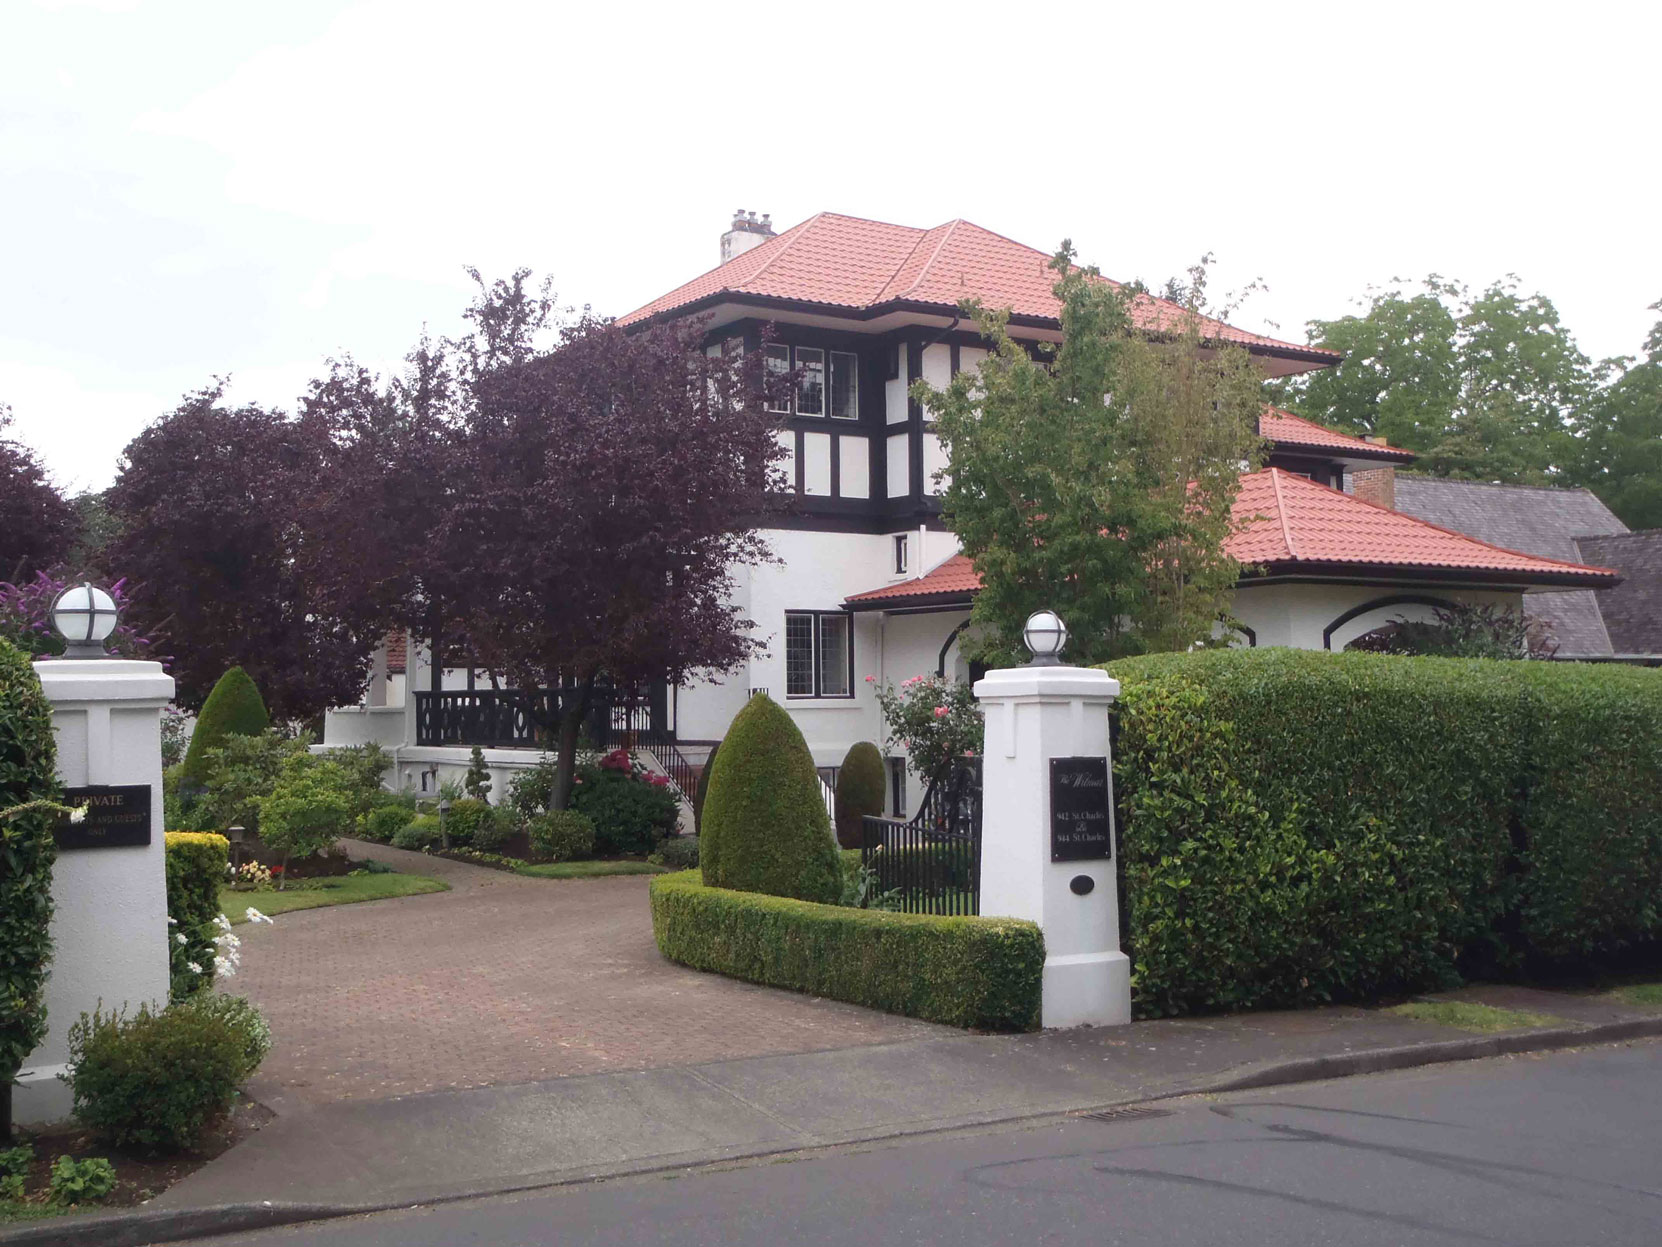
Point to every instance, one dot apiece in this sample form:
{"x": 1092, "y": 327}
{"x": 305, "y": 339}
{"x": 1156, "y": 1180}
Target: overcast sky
{"x": 196, "y": 187}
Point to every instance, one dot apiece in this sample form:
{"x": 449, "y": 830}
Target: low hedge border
{"x": 982, "y": 973}
{"x": 196, "y": 863}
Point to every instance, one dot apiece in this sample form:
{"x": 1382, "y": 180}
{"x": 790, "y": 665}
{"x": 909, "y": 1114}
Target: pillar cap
{"x": 1051, "y": 682}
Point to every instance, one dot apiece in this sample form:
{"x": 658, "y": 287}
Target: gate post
{"x": 1047, "y": 839}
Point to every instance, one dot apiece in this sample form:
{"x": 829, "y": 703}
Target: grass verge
{"x": 1638, "y": 994}
{"x": 1472, "y": 1017}
{"x": 317, "y": 893}
{"x": 587, "y": 870}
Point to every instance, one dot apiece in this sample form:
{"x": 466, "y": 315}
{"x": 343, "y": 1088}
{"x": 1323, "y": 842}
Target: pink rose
{"x": 941, "y": 712}
{"x": 871, "y": 679}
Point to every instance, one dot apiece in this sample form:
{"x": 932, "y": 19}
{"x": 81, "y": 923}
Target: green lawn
{"x": 316, "y": 893}
{"x": 1472, "y": 1017}
{"x": 14, "y": 1210}
{"x": 588, "y": 870}
{"x": 1639, "y": 994}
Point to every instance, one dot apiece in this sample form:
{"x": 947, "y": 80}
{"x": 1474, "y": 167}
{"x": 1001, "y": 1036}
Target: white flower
{"x": 78, "y": 814}
{"x": 193, "y": 967}
{"x": 180, "y": 936}
{"x": 223, "y": 923}
{"x": 255, "y": 915}
{"x": 172, "y": 921}
{"x": 225, "y": 969}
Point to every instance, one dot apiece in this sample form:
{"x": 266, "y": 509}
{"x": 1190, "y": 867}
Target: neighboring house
{"x": 870, "y": 587}
{"x": 1622, "y": 623}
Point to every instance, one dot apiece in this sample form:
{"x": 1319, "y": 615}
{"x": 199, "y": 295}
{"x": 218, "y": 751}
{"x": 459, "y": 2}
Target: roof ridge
{"x": 933, "y": 256}
{"x": 797, "y": 233}
{"x": 1632, "y": 532}
{"x": 1453, "y": 532}
{"x": 1281, "y": 513}
{"x": 1456, "y": 480}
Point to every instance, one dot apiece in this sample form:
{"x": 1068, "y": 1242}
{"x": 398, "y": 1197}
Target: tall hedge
{"x": 765, "y": 825}
{"x": 703, "y": 789}
{"x": 233, "y": 708}
{"x": 1301, "y": 827}
{"x": 196, "y": 863}
{"x": 28, "y": 772}
{"x": 861, "y": 782}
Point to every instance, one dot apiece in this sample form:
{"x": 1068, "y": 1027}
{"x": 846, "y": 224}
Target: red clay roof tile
{"x": 1288, "y": 429}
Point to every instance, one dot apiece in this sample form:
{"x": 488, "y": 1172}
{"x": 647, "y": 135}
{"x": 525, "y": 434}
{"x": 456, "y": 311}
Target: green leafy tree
{"x": 305, "y": 814}
{"x": 1621, "y": 450}
{"x": 1097, "y": 478}
{"x": 1489, "y": 387}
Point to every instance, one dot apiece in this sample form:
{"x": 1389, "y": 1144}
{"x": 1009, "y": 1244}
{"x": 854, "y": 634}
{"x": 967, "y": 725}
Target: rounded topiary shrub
{"x": 860, "y": 786}
{"x": 764, "y": 817}
{"x": 703, "y": 789}
{"x": 560, "y": 836}
{"x": 233, "y": 708}
{"x": 383, "y": 824}
{"x": 421, "y": 832}
{"x": 28, "y": 772}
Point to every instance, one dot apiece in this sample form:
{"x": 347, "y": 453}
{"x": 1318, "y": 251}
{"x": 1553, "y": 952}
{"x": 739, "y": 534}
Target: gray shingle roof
{"x": 1632, "y": 610}
{"x": 1560, "y": 524}
{"x": 1536, "y": 519}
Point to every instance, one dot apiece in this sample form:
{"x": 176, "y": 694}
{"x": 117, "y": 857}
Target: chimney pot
{"x": 747, "y": 231}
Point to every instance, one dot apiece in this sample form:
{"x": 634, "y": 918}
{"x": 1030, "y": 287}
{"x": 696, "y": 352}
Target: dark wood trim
{"x": 1302, "y": 571}
{"x": 914, "y": 422}
{"x": 1395, "y": 599}
{"x": 940, "y": 663}
{"x": 836, "y": 466}
{"x": 1250, "y": 634}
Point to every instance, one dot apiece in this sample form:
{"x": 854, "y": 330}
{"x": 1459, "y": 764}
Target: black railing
{"x": 931, "y": 863}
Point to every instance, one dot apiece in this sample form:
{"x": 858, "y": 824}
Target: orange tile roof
{"x": 851, "y": 264}
{"x": 1290, "y": 430}
{"x": 1288, "y": 522}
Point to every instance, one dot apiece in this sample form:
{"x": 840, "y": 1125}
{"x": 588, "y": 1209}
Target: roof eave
{"x": 1488, "y": 576}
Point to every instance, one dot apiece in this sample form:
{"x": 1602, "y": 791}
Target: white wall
{"x": 1295, "y": 615}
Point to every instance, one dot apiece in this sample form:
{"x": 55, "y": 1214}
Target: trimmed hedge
{"x": 560, "y": 836}
{"x": 234, "y": 708}
{"x": 972, "y": 972}
{"x": 1301, "y": 827}
{"x": 196, "y": 862}
{"x": 703, "y": 791}
{"x": 28, "y": 773}
{"x": 861, "y": 783}
{"x": 765, "y": 828}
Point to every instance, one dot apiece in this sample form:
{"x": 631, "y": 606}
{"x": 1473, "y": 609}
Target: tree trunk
{"x": 6, "y": 1107}
{"x": 570, "y": 728}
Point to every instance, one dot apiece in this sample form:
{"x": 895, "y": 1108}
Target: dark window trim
{"x": 1395, "y": 599}
{"x": 902, "y": 553}
{"x": 819, "y": 657}
{"x": 897, "y": 787}
{"x": 831, "y": 354}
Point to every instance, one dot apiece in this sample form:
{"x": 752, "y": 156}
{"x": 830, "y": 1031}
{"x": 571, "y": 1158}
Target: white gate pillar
{"x": 1047, "y": 840}
{"x": 109, "y": 925}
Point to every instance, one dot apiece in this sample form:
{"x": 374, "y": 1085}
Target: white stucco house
{"x": 870, "y": 581}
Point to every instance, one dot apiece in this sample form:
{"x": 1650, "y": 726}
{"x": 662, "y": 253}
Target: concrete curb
{"x": 143, "y": 1228}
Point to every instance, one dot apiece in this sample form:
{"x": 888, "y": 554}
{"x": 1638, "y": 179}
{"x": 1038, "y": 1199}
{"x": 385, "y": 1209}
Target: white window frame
{"x": 902, "y": 553}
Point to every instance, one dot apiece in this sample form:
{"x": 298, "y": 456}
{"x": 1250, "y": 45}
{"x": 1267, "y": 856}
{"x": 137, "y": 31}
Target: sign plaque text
{"x": 118, "y": 816}
{"x": 1081, "y": 819}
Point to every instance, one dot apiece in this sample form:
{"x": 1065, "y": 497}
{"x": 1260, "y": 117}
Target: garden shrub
{"x": 233, "y": 708}
{"x": 980, "y": 972}
{"x": 382, "y": 824}
{"x": 630, "y": 815}
{"x": 765, "y": 826}
{"x": 305, "y": 814}
{"x": 239, "y": 1013}
{"x": 196, "y": 866}
{"x": 421, "y": 832}
{"x": 530, "y": 790}
{"x": 703, "y": 790}
{"x": 464, "y": 818}
{"x": 237, "y": 773}
{"x": 678, "y": 853}
{"x": 1299, "y": 827}
{"x": 477, "y": 781}
{"x": 861, "y": 783}
{"x": 560, "y": 836}
{"x": 28, "y": 773}
{"x": 157, "y": 1080}
{"x": 80, "y": 1181}
{"x": 499, "y": 826}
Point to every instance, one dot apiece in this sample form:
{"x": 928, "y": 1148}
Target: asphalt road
{"x": 1560, "y": 1148}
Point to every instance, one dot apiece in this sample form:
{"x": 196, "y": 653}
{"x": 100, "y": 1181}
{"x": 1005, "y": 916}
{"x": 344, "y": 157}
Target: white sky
{"x": 193, "y": 187}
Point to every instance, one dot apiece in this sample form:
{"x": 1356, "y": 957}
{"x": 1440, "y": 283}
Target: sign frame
{"x": 118, "y": 817}
{"x": 1081, "y": 827}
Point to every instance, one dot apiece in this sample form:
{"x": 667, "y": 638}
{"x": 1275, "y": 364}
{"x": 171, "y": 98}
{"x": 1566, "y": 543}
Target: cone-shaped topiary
{"x": 764, "y": 815}
{"x": 234, "y": 708}
{"x": 860, "y": 785}
{"x": 703, "y": 790}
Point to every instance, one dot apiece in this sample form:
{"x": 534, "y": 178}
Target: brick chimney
{"x": 745, "y": 232}
{"x": 1376, "y": 484}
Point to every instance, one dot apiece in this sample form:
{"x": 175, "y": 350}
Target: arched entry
{"x": 1398, "y": 599}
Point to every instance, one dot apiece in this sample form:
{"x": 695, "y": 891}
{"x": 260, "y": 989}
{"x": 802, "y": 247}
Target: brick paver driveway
{"x": 500, "y": 980}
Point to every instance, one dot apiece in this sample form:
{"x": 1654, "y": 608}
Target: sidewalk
{"x": 359, "y": 1156}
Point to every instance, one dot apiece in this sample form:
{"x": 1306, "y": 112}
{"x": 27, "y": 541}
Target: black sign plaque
{"x": 1081, "y": 820}
{"x": 118, "y": 816}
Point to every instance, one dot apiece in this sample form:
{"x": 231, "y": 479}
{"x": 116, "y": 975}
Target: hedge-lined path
{"x": 500, "y": 980}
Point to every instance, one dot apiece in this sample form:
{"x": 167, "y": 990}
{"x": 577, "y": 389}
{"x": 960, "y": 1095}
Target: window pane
{"x": 778, "y": 365}
{"x": 833, "y": 656}
{"x": 799, "y": 655}
{"x": 845, "y": 384}
{"x": 900, "y": 555}
{"x": 810, "y": 389}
